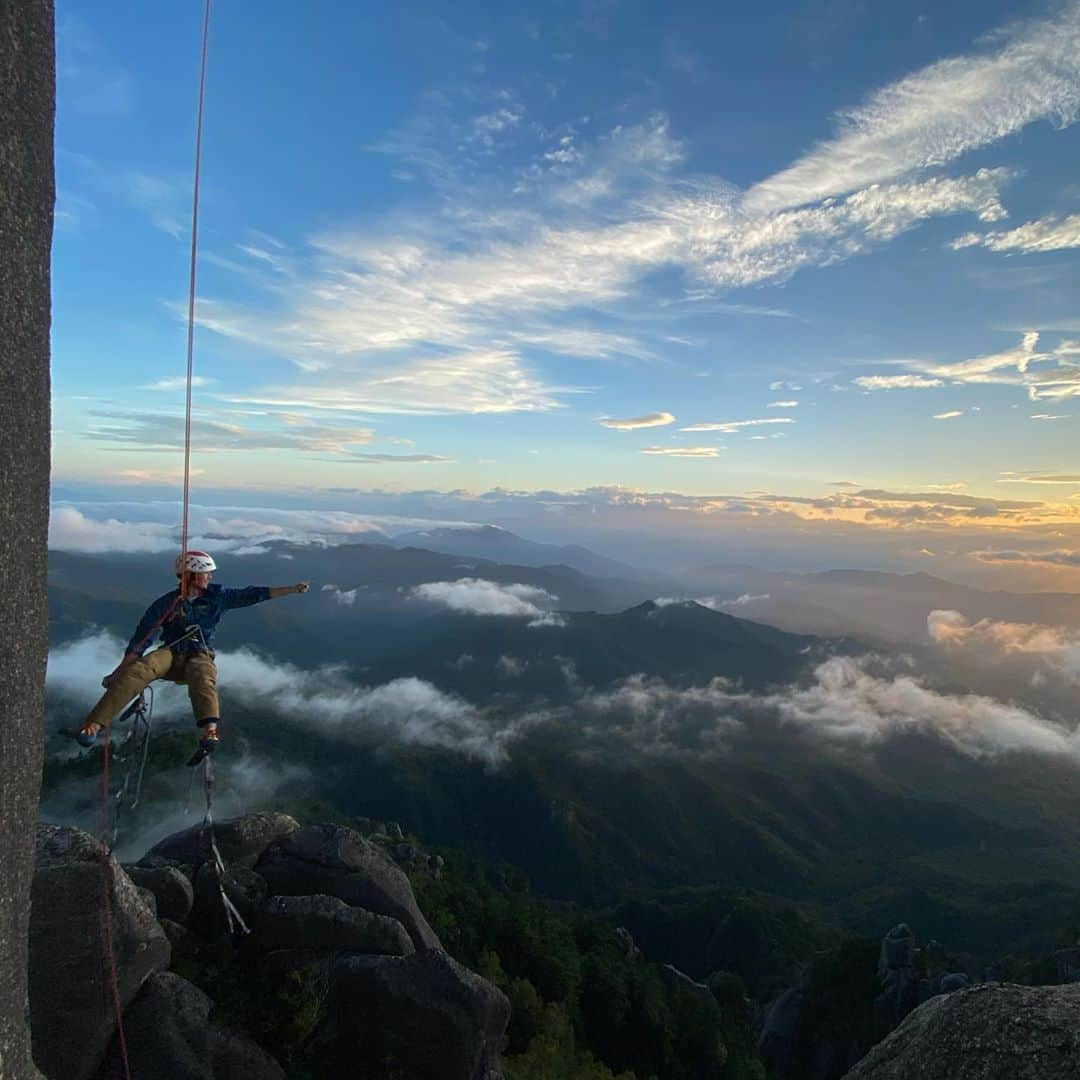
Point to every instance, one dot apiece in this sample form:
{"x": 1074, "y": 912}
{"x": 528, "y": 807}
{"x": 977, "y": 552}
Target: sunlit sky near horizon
{"x": 812, "y": 262}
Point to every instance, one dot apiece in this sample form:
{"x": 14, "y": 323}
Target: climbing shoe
{"x": 88, "y": 733}
{"x": 207, "y": 744}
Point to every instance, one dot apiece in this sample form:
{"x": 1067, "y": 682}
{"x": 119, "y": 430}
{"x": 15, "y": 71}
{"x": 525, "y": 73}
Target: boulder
{"x": 422, "y": 1016}
{"x": 166, "y": 1029}
{"x": 987, "y": 1032}
{"x": 240, "y": 840}
{"x": 954, "y": 980}
{"x": 331, "y": 860}
{"x": 325, "y": 922}
{"x": 71, "y": 1007}
{"x": 180, "y": 937}
{"x": 172, "y": 890}
{"x": 235, "y": 1057}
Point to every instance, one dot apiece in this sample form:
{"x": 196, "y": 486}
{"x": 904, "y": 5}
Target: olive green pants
{"x": 195, "y": 670}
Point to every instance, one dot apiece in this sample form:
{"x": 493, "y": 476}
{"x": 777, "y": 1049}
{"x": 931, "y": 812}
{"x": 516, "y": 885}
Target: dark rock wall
{"x": 27, "y": 96}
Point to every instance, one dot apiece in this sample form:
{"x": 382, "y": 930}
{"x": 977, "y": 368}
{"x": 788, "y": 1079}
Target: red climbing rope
{"x": 114, "y": 980}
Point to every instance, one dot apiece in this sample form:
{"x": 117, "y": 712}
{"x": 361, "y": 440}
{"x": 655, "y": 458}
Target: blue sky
{"x": 809, "y": 259}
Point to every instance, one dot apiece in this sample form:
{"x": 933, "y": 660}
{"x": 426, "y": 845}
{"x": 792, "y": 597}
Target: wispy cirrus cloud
{"x": 1043, "y": 374}
{"x": 607, "y": 218}
{"x": 472, "y": 382}
{"x": 939, "y": 113}
{"x": 178, "y": 382}
{"x": 897, "y": 382}
{"x": 634, "y": 423}
{"x": 164, "y": 433}
{"x": 1047, "y": 234}
{"x": 682, "y": 451}
{"x": 736, "y": 425}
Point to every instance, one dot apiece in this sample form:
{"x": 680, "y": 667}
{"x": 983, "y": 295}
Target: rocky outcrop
{"x": 27, "y": 96}
{"x": 241, "y": 842}
{"x": 168, "y": 1036}
{"x": 173, "y": 894}
{"x": 900, "y": 987}
{"x": 330, "y": 860}
{"x": 987, "y": 1032}
{"x": 336, "y": 938}
{"x": 234, "y": 1056}
{"x": 422, "y": 1016}
{"x": 71, "y": 996}
{"x": 324, "y": 922}
{"x": 166, "y": 1031}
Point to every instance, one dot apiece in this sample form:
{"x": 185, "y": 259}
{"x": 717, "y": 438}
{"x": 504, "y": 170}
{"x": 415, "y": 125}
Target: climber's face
{"x": 198, "y": 582}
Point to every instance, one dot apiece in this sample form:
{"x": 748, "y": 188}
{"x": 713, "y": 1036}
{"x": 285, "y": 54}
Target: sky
{"x": 801, "y": 274}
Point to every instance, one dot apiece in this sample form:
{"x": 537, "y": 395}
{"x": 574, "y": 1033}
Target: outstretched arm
{"x": 286, "y": 590}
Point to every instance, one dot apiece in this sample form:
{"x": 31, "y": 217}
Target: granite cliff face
{"x": 27, "y": 95}
{"x": 339, "y": 960}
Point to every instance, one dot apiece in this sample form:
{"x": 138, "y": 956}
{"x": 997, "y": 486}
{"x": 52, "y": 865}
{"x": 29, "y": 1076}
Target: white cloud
{"x": 344, "y": 597}
{"x": 165, "y": 432}
{"x": 1058, "y": 647}
{"x": 656, "y": 419}
{"x": 407, "y": 711}
{"x": 682, "y": 451}
{"x": 741, "y": 601}
{"x": 154, "y": 526}
{"x": 782, "y": 405}
{"x": 952, "y": 414}
{"x": 735, "y": 425}
{"x": 511, "y": 667}
{"x": 477, "y": 382}
{"x": 71, "y": 530}
{"x": 475, "y": 596}
{"x": 1046, "y": 234}
{"x": 178, "y": 382}
{"x": 1047, "y": 416}
{"x": 939, "y": 113}
{"x": 782, "y": 384}
{"x": 653, "y": 717}
{"x": 848, "y": 705}
{"x": 897, "y": 382}
{"x": 1021, "y": 366}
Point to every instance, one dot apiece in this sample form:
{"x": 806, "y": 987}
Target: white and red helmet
{"x": 195, "y": 562}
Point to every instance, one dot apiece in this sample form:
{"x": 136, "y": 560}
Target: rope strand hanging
{"x": 107, "y": 921}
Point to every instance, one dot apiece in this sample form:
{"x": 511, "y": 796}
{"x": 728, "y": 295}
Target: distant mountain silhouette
{"x": 500, "y": 545}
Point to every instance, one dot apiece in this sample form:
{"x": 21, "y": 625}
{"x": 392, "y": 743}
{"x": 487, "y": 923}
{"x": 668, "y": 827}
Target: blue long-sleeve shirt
{"x": 204, "y": 611}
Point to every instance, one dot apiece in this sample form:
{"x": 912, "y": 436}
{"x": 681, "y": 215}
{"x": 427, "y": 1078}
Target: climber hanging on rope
{"x": 187, "y": 617}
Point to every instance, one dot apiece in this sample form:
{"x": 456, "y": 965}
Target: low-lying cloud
{"x": 475, "y": 596}
{"x": 990, "y": 639}
{"x": 406, "y": 711}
